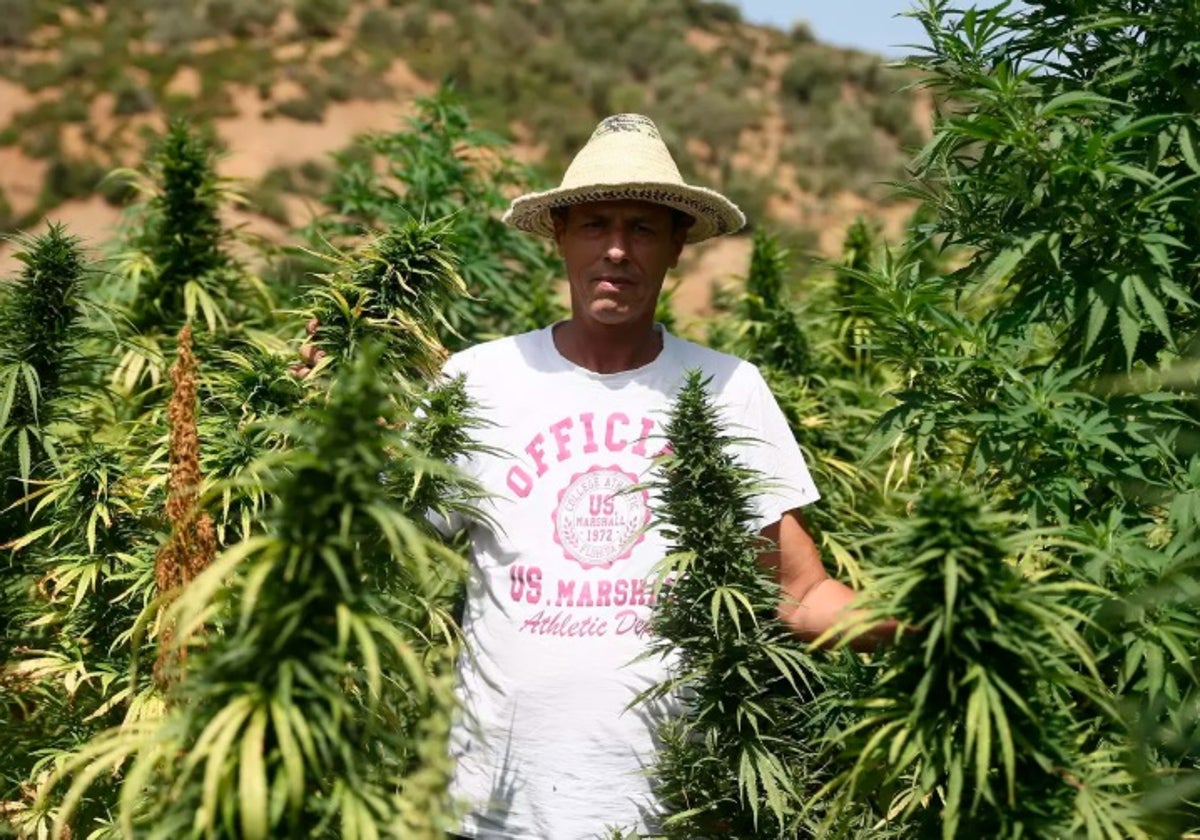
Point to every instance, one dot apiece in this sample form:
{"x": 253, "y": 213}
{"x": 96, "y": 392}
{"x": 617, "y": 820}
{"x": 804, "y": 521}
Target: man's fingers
{"x": 311, "y": 353}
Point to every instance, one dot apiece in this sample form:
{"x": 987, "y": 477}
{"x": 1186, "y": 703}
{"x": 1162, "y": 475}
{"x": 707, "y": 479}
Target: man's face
{"x": 617, "y": 254}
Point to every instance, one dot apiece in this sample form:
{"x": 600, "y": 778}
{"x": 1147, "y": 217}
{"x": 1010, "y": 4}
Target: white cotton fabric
{"x": 558, "y": 597}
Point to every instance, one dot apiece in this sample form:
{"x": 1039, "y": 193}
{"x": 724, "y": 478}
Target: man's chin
{"x": 610, "y": 315}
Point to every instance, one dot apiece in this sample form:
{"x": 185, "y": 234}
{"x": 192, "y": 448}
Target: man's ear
{"x": 680, "y": 237}
{"x": 681, "y": 224}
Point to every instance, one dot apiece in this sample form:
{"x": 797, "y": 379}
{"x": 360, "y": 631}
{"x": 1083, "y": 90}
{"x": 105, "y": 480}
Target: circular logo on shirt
{"x": 598, "y": 519}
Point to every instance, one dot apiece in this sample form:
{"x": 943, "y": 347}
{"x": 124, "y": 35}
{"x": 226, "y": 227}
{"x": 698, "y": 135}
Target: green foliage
{"x": 7, "y": 219}
{"x": 1069, "y": 151}
{"x": 310, "y": 108}
{"x": 243, "y": 17}
{"x": 398, "y": 285}
{"x": 70, "y": 178}
{"x": 1050, "y": 364}
{"x": 317, "y": 694}
{"x": 723, "y": 765}
{"x": 40, "y": 359}
{"x": 320, "y": 18}
{"x": 775, "y": 338}
{"x": 182, "y": 237}
{"x": 811, "y": 78}
{"x": 968, "y": 730}
{"x": 40, "y": 366}
{"x": 16, "y": 22}
{"x": 443, "y": 168}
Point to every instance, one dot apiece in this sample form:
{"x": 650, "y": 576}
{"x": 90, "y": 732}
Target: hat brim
{"x": 714, "y": 214}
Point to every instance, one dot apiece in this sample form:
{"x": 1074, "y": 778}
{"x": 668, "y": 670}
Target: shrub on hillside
{"x": 8, "y": 219}
{"x": 16, "y": 22}
{"x": 812, "y": 78}
{"x": 69, "y": 178}
{"x": 381, "y": 27}
{"x": 243, "y": 17}
{"x": 705, "y": 13}
{"x": 321, "y": 18}
{"x": 893, "y": 113}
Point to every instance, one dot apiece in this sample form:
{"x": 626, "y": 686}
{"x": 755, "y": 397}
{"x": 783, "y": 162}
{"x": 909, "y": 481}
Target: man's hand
{"x": 310, "y": 354}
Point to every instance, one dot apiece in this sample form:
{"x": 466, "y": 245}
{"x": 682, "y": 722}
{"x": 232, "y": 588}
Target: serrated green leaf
{"x": 1153, "y": 307}
{"x": 1130, "y": 328}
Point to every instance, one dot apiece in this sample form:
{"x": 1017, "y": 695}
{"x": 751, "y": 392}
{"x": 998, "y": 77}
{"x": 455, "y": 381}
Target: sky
{"x": 870, "y": 25}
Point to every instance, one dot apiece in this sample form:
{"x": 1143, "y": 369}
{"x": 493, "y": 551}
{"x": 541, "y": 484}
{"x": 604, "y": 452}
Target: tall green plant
{"x": 1061, "y": 163}
{"x": 317, "y": 693}
{"x": 41, "y": 367}
{"x": 394, "y": 291}
{"x": 176, "y": 267}
{"x": 441, "y": 167}
{"x": 41, "y": 327}
{"x": 970, "y": 728}
{"x": 1069, "y": 169}
{"x": 727, "y": 764}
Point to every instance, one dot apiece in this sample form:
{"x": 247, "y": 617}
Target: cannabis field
{"x": 223, "y": 612}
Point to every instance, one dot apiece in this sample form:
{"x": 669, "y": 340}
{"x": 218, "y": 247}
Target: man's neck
{"x": 603, "y": 349}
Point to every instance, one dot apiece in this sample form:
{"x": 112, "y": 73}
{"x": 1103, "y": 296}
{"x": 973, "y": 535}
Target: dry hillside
{"x": 801, "y": 134}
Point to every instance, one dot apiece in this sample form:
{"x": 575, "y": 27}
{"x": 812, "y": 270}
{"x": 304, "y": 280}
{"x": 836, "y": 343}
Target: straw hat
{"x": 626, "y": 158}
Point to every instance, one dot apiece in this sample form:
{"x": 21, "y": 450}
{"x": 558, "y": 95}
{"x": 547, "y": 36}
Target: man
{"x": 560, "y": 594}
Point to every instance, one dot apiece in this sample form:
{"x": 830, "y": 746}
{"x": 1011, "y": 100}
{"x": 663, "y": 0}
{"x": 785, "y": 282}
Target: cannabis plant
{"x": 176, "y": 267}
{"x": 970, "y": 729}
{"x": 41, "y": 327}
{"x": 193, "y": 542}
{"x": 441, "y": 167}
{"x": 395, "y": 291}
{"x": 317, "y": 690}
{"x": 1052, "y": 365}
{"x": 41, "y": 371}
{"x": 727, "y": 764}
{"x": 1068, "y": 171}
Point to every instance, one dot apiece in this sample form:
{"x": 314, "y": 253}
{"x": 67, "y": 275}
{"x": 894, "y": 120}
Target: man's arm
{"x": 813, "y": 602}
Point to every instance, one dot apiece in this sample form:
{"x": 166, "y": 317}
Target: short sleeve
{"x": 768, "y": 447}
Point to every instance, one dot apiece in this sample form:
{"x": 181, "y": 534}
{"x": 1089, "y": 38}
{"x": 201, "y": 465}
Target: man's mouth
{"x": 611, "y": 284}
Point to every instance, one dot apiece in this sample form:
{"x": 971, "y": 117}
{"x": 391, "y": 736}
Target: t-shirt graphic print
{"x": 562, "y": 587}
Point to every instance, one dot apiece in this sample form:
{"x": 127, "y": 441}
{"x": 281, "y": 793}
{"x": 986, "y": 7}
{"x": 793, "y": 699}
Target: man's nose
{"x": 617, "y": 245}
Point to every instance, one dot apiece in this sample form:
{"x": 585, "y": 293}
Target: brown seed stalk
{"x": 193, "y": 542}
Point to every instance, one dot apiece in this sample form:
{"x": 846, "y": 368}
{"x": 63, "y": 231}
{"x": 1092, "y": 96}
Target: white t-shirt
{"x": 561, "y": 581}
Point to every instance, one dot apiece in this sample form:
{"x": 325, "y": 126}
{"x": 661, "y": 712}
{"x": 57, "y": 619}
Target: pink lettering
{"x": 621, "y": 593}
{"x": 585, "y": 596}
{"x": 519, "y": 481}
{"x": 525, "y": 583}
{"x": 616, "y": 439}
{"x": 538, "y": 454}
{"x": 638, "y": 595}
{"x": 566, "y": 592}
{"x": 603, "y": 593}
{"x": 628, "y": 621}
{"x": 647, "y": 428}
{"x": 559, "y": 430}
{"x": 533, "y": 581}
{"x": 610, "y": 442}
{"x": 564, "y": 625}
{"x": 589, "y": 445}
